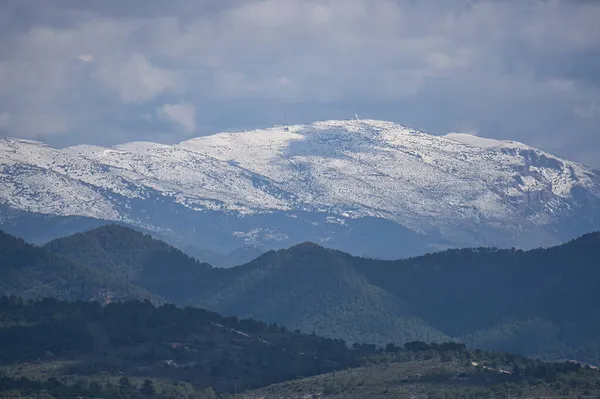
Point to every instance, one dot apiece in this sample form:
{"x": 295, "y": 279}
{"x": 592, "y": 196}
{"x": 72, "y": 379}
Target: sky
{"x": 113, "y": 71}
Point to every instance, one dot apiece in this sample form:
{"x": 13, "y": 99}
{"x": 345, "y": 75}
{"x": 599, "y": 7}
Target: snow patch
{"x": 473, "y": 140}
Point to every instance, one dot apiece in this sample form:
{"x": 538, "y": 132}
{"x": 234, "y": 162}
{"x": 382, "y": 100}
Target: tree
{"x": 95, "y": 388}
{"x": 391, "y": 348}
{"x": 125, "y": 386}
{"x": 416, "y": 346}
{"x": 147, "y": 388}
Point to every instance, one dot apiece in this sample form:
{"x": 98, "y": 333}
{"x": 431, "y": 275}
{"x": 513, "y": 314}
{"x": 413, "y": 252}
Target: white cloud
{"x": 183, "y": 114}
{"x": 136, "y": 80}
{"x": 85, "y": 58}
{"x": 522, "y": 70}
{"x": 587, "y": 111}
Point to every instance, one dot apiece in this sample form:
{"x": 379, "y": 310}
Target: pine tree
{"x": 125, "y": 386}
{"x": 147, "y": 388}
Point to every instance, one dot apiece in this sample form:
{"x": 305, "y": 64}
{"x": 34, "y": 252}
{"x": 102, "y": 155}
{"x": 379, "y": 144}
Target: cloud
{"x": 183, "y": 114}
{"x": 136, "y": 80}
{"x": 520, "y": 70}
{"x": 85, "y": 57}
{"x": 587, "y": 111}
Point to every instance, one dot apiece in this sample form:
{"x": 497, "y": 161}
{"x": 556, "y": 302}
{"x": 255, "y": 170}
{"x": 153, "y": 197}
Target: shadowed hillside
{"x": 135, "y": 350}
{"x": 32, "y": 272}
{"x": 532, "y": 302}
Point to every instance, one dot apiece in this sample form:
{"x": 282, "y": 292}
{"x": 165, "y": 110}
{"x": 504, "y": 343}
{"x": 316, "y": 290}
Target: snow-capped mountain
{"x": 371, "y": 187}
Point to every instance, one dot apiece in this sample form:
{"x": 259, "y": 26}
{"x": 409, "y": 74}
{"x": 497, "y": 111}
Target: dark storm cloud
{"x": 112, "y": 71}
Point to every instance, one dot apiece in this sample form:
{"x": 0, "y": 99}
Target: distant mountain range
{"x": 370, "y": 188}
{"x": 538, "y": 302}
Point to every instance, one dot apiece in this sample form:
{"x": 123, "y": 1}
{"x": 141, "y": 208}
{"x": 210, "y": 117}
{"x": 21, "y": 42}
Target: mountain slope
{"x": 316, "y": 290}
{"x": 533, "y": 302}
{"x": 31, "y": 272}
{"x": 436, "y": 379}
{"x": 60, "y": 349}
{"x": 139, "y": 340}
{"x": 139, "y": 259}
{"x": 332, "y": 182}
{"x": 305, "y": 285}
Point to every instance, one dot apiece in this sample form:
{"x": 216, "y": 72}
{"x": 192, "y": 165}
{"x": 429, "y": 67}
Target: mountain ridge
{"x": 488, "y": 297}
{"x": 33, "y": 272}
{"x": 332, "y": 182}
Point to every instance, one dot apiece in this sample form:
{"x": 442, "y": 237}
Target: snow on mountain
{"x": 464, "y": 189}
{"x": 476, "y": 141}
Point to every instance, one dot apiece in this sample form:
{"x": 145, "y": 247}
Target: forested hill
{"x": 491, "y": 284}
{"x": 32, "y": 272}
{"x": 139, "y": 259}
{"x": 532, "y": 302}
{"x": 143, "y": 341}
{"x": 134, "y": 350}
{"x": 314, "y": 289}
{"x": 535, "y": 302}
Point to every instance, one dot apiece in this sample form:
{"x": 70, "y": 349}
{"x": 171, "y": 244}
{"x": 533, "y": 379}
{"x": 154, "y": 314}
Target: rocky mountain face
{"x": 367, "y": 187}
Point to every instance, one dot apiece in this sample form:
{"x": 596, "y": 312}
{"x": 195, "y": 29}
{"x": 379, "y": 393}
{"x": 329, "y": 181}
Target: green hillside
{"x": 84, "y": 341}
{"x": 134, "y": 350}
{"x": 439, "y": 378}
{"x": 535, "y": 302}
{"x": 139, "y": 259}
{"x": 531, "y": 302}
{"x": 32, "y": 272}
{"x": 308, "y": 285}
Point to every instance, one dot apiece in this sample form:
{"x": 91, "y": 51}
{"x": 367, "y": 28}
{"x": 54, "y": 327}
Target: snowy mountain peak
{"x": 16, "y": 141}
{"x": 461, "y": 187}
